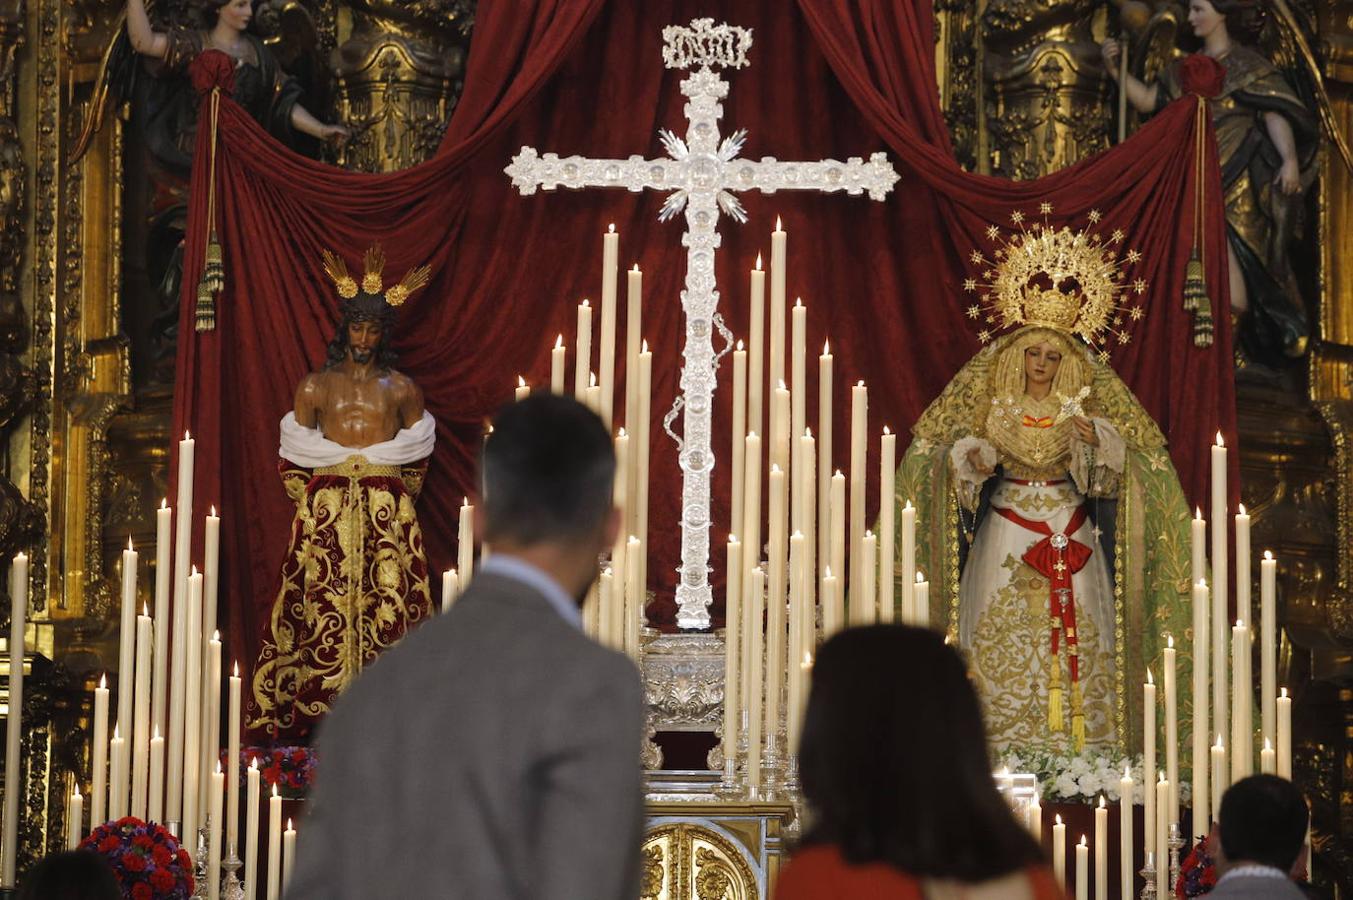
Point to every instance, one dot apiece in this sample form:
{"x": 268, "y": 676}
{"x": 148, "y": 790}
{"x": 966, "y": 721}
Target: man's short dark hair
{"x": 1263, "y": 820}
{"x": 548, "y": 472}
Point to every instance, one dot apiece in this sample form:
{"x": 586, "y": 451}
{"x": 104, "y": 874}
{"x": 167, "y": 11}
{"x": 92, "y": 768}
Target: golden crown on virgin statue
{"x": 1070, "y": 281}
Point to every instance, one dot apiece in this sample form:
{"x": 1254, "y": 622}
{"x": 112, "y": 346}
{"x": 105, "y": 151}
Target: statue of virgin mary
{"x": 1054, "y": 525}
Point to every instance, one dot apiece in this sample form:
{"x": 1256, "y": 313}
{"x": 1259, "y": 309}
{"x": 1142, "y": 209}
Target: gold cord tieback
{"x": 213, "y": 270}
{"x": 1196, "y": 299}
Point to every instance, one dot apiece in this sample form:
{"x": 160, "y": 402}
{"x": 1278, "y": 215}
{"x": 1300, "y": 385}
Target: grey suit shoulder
{"x": 1257, "y": 888}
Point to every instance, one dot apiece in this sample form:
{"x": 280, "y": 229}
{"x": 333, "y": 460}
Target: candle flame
{"x": 1127, "y": 772}
{"x": 164, "y": 503}
{"x": 1282, "y": 693}
{"x": 774, "y": 469}
{"x": 521, "y": 382}
{"x": 1161, "y": 776}
{"x": 1202, "y": 583}
{"x": 644, "y": 349}
{"x": 907, "y": 505}
{"x": 237, "y": 668}
{"x": 584, "y": 301}
{"x": 1268, "y": 555}
{"x": 187, "y": 436}
{"x": 155, "y": 734}
{"x": 77, "y": 792}
{"x": 1268, "y": 745}
{"x": 1101, "y": 801}
{"x": 289, "y": 828}
{"x": 826, "y": 348}
{"x": 194, "y": 575}
{"x": 1149, "y": 679}
{"x": 739, "y": 345}
{"x": 636, "y": 268}
{"x": 1240, "y": 623}
{"x": 1197, "y": 512}
{"x": 758, "y": 262}
{"x": 808, "y": 433}
{"x": 559, "y": 342}
{"x": 807, "y": 660}
{"x": 145, "y": 610}
{"x": 465, "y": 502}
{"x": 732, "y": 539}
{"x": 839, "y": 475}
{"x": 798, "y": 302}
{"x": 117, "y": 734}
{"x": 782, "y": 385}
{"x": 253, "y": 762}
{"x": 868, "y": 533}
{"x": 1242, "y": 509}
{"x": 103, "y": 682}
{"x": 1082, "y": 840}
{"x": 1220, "y": 442}
{"x": 1219, "y": 745}
{"x": 1169, "y": 641}
{"x": 622, "y": 432}
{"x": 274, "y": 790}
{"x": 826, "y": 572}
{"x": 610, "y": 229}
{"x": 860, "y": 383}
{"x": 920, "y": 577}
{"x": 218, "y": 767}
{"x": 129, "y": 543}
{"x": 1059, "y": 819}
{"x": 216, "y": 635}
{"x": 778, "y": 226}
{"x": 591, "y": 379}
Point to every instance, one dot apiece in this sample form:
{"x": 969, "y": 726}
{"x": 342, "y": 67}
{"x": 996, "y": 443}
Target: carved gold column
{"x": 399, "y": 76}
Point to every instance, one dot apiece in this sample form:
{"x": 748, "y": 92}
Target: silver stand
{"x": 200, "y": 873}
{"x": 1175, "y": 843}
{"x": 1148, "y": 872}
{"x": 233, "y": 890}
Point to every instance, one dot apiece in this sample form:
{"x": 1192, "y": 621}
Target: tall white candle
{"x": 214, "y": 815}
{"x": 1162, "y": 834}
{"x": 634, "y": 597}
{"x": 163, "y": 569}
{"x": 75, "y": 814}
{"x": 274, "y": 845}
{"x": 582, "y": 363}
{"x": 1125, "y": 858}
{"x": 795, "y": 687}
{"x": 756, "y": 338}
{"x": 863, "y": 604}
{"x": 98, "y": 799}
{"x": 778, "y": 240}
{"x": 557, "y": 363}
{"x": 751, "y": 542}
{"x": 117, "y": 775}
{"x": 288, "y": 854}
{"x": 634, "y": 330}
{"x": 1202, "y": 638}
{"x": 1101, "y": 850}
{"x": 126, "y": 675}
{"x": 251, "y": 831}
{"x": 737, "y": 490}
{"x": 824, "y": 456}
{"x": 1082, "y": 870}
{"x": 192, "y": 711}
{"x": 1268, "y": 761}
{"x": 1171, "y": 729}
{"x": 1242, "y": 752}
{"x": 732, "y": 644}
{"x": 522, "y": 390}
{"x": 211, "y": 560}
{"x": 145, "y": 640}
{"x": 1268, "y": 646}
{"x": 887, "y": 538}
{"x": 641, "y": 457}
{"x": 450, "y": 589}
{"x": 610, "y": 252}
{"x": 183, "y": 529}
{"x": 209, "y": 697}
{"x": 211, "y": 747}
{"x": 909, "y": 614}
{"x": 807, "y": 481}
{"x": 1218, "y": 753}
{"x": 833, "y": 616}
{"x": 155, "y": 803}
{"x": 755, "y": 677}
{"x": 920, "y": 597}
{"x": 620, "y": 500}
{"x": 18, "y": 612}
{"x": 1149, "y": 760}
{"x": 1059, "y": 852}
{"x": 777, "y": 583}
{"x": 1283, "y": 712}
{"x": 859, "y": 423}
{"x": 798, "y": 412}
{"x": 1198, "y": 546}
{"x": 780, "y": 414}
{"x": 1221, "y": 696}
{"x": 837, "y": 526}
{"x": 610, "y": 627}
{"x": 233, "y": 759}
{"x": 465, "y": 543}
{"x": 1034, "y": 819}
{"x": 1243, "y": 564}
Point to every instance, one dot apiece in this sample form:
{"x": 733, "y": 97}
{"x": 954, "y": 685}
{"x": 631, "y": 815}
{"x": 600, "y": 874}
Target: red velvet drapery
{"x": 882, "y": 280}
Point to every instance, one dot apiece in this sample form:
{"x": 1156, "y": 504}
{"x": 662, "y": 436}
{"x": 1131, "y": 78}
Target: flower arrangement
{"x": 146, "y": 858}
{"x": 1197, "y": 873}
{"x": 292, "y": 768}
{"x": 1081, "y": 777}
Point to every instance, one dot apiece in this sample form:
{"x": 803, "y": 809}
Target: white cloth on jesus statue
{"x": 309, "y": 448}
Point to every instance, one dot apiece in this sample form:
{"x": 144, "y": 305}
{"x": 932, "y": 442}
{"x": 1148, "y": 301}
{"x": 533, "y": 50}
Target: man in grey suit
{"x": 1259, "y": 836}
{"x": 495, "y": 752}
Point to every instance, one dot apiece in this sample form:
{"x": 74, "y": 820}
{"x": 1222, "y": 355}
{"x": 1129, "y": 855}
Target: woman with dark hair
{"x": 894, "y": 766}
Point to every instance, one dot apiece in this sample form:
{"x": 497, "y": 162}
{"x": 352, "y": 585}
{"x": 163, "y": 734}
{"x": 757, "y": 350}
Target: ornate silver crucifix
{"x": 703, "y": 172}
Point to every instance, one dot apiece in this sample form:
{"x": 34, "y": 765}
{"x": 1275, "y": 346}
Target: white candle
{"x": 1218, "y": 774}
{"x": 807, "y": 481}
{"x": 1034, "y": 819}
{"x": 1268, "y": 646}
{"x": 1162, "y": 833}
{"x": 609, "y": 632}
{"x": 557, "y": 363}
{"x": 75, "y": 814}
{"x": 920, "y": 597}
{"x": 1241, "y": 737}
{"x": 155, "y": 803}
{"x": 641, "y": 456}
{"x": 192, "y": 749}
{"x": 779, "y": 449}
{"x": 737, "y": 490}
{"x": 732, "y": 642}
{"x": 593, "y": 396}
{"x": 211, "y": 564}
{"x": 98, "y": 800}
{"x": 1243, "y": 564}
{"x": 1125, "y": 858}
{"x": 1284, "y": 748}
{"x": 233, "y": 759}
{"x": 778, "y": 240}
{"x": 863, "y": 604}
{"x": 796, "y": 688}
{"x": 1171, "y": 729}
{"x": 582, "y": 363}
{"x": 824, "y": 455}
{"x": 145, "y": 640}
{"x": 163, "y": 567}
{"x": 18, "y": 612}
{"x": 274, "y": 845}
{"x": 833, "y": 616}
{"x": 288, "y": 854}
{"x": 610, "y": 251}
{"x": 126, "y": 674}
{"x": 465, "y": 543}
{"x": 621, "y": 502}
{"x": 214, "y": 814}
{"x": 1059, "y": 852}
{"x": 1201, "y": 729}
{"x": 1268, "y": 760}
{"x": 859, "y": 423}
{"x": 1101, "y": 850}
{"x": 634, "y": 597}
{"x": 1198, "y": 545}
{"x": 450, "y": 589}
{"x": 1220, "y": 647}
{"x": 251, "y": 831}
{"x": 634, "y": 325}
{"x": 211, "y": 747}
{"x": 522, "y": 390}
{"x": 183, "y": 528}
{"x": 838, "y": 529}
{"x": 751, "y": 542}
{"x": 1149, "y": 760}
{"x": 1082, "y": 870}
{"x": 777, "y": 582}
{"x": 909, "y": 613}
{"x": 755, "y": 678}
{"x": 887, "y": 538}
{"x": 756, "y": 337}
{"x": 117, "y": 775}
{"x": 798, "y": 413}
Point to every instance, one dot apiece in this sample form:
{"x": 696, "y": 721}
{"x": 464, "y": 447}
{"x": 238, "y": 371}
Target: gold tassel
{"x": 213, "y": 272}
{"x": 1195, "y": 285}
{"x": 204, "y": 315}
{"x": 1056, "y": 721}
{"x": 1077, "y": 718}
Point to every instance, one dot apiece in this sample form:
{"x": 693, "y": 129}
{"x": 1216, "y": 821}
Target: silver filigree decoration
{"x": 702, "y": 43}
{"x": 703, "y": 176}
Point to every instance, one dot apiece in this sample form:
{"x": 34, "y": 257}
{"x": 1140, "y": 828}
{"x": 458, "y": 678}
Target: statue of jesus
{"x": 353, "y": 455}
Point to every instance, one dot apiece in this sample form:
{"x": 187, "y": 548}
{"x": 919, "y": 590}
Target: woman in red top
{"x": 894, "y": 765}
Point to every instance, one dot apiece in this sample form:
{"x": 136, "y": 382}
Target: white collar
{"x": 1252, "y": 870}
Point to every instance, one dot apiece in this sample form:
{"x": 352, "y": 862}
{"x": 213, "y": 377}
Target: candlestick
{"x": 887, "y": 538}
{"x": 1171, "y": 729}
{"x": 465, "y": 543}
{"x": 1268, "y": 646}
{"x": 163, "y": 565}
{"x": 1220, "y": 647}
{"x": 756, "y": 336}
{"x": 75, "y": 814}
{"x": 450, "y": 589}
{"x": 777, "y": 583}
{"x": 145, "y": 640}
{"x": 824, "y": 455}
{"x": 1125, "y": 795}
{"x": 274, "y": 845}
{"x": 214, "y": 816}
{"x": 778, "y": 242}
{"x": 610, "y": 251}
{"x": 557, "y": 363}
{"x": 1082, "y": 870}
{"x": 732, "y": 641}
{"x": 18, "y": 611}
{"x": 1059, "y": 852}
{"x": 1241, "y": 736}
{"x": 859, "y": 423}
{"x": 288, "y": 855}
{"x": 1218, "y": 753}
{"x": 98, "y": 800}
{"x": 737, "y": 490}
{"x": 126, "y": 674}
{"x": 1283, "y": 710}
{"x": 582, "y": 364}
{"x": 1201, "y": 729}
{"x": 755, "y": 678}
{"x": 155, "y": 803}
{"x": 1101, "y": 850}
{"x": 233, "y": 759}
{"x": 251, "y": 831}
{"x": 1149, "y": 761}
{"x": 183, "y": 528}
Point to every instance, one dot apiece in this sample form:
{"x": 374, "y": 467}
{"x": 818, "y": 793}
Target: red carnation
{"x": 298, "y": 756}
{"x": 185, "y": 860}
{"x": 161, "y": 855}
{"x": 134, "y": 862}
{"x": 142, "y": 891}
{"x": 109, "y": 844}
{"x": 1202, "y": 75}
{"x": 142, "y": 840}
{"x": 162, "y": 880}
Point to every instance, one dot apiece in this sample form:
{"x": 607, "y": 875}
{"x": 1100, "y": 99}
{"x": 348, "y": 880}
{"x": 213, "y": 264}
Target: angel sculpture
{"x": 1268, "y": 135}
{"x": 1039, "y": 478}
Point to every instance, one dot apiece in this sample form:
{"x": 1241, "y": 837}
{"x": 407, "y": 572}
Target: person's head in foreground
{"x": 894, "y": 763}
{"x": 549, "y": 467}
{"x": 1262, "y": 822}
{"x": 72, "y": 875}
